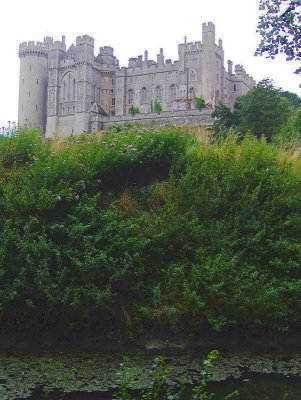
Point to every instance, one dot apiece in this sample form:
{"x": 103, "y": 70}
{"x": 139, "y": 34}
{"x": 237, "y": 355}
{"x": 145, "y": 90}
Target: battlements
{"x": 31, "y": 45}
{"x": 208, "y": 27}
{"x": 85, "y": 39}
{"x": 190, "y": 47}
{"x": 106, "y": 51}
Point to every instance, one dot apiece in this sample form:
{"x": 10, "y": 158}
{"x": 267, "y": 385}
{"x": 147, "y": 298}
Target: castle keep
{"x": 71, "y": 91}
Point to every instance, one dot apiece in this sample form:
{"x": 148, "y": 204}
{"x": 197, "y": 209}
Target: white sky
{"x": 130, "y": 27}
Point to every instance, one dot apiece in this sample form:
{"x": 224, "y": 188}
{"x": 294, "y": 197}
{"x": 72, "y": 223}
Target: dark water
{"x": 93, "y": 376}
{"x": 256, "y": 386}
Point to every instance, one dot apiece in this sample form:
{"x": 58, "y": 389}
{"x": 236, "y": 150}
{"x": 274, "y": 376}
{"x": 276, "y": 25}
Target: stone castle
{"x": 73, "y": 91}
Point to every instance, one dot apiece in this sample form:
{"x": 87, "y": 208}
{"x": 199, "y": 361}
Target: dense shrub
{"x": 149, "y": 231}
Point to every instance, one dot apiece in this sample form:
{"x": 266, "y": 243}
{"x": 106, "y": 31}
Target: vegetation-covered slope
{"x": 149, "y": 231}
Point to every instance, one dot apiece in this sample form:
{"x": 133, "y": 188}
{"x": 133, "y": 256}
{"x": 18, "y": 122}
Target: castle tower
{"x": 56, "y": 53}
{"x": 33, "y": 84}
{"x": 208, "y": 62}
{"x": 84, "y": 58}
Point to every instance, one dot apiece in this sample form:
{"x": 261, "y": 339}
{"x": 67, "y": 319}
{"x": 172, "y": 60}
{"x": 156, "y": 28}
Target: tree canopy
{"x": 279, "y": 27}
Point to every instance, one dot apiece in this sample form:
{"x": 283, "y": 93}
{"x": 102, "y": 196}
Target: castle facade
{"x": 71, "y": 91}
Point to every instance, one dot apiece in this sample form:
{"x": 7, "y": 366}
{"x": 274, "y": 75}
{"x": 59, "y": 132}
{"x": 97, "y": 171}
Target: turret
{"x": 208, "y": 62}
{"x": 33, "y": 83}
{"x": 160, "y": 58}
{"x": 85, "y": 48}
{"x": 230, "y": 67}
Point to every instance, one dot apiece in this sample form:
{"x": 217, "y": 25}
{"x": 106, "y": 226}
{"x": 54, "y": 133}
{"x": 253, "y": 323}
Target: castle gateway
{"x": 73, "y": 91}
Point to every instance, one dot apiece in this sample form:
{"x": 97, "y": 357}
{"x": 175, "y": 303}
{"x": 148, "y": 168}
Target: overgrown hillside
{"x": 149, "y": 232}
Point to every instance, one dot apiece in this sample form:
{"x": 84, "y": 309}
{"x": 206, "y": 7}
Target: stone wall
{"x": 187, "y": 117}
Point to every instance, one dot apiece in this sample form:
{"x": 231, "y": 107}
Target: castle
{"x": 72, "y": 91}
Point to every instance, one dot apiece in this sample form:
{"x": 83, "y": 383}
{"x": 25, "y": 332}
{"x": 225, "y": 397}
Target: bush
{"x": 134, "y": 110}
{"x": 147, "y": 230}
{"x": 199, "y": 103}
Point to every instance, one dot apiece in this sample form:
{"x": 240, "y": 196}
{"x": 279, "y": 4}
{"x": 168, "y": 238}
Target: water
{"x": 93, "y": 376}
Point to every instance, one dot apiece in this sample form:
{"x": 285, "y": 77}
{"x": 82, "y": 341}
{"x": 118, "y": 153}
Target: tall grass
{"x": 146, "y": 231}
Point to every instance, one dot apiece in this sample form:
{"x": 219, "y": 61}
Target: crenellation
{"x": 77, "y": 89}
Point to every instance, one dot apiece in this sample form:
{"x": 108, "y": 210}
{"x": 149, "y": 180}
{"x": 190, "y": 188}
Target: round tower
{"x": 33, "y": 84}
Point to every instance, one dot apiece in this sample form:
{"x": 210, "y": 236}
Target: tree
{"x": 224, "y": 118}
{"x": 279, "y": 27}
{"x": 199, "y": 103}
{"x": 134, "y": 110}
{"x": 262, "y": 111}
{"x": 157, "y": 107}
{"x": 293, "y": 98}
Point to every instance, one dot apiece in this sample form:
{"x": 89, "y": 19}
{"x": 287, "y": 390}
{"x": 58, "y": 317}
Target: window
{"x": 173, "y": 92}
{"x": 113, "y": 101}
{"x": 158, "y": 94}
{"x": 130, "y": 97}
{"x": 234, "y": 88}
{"x": 69, "y": 87}
{"x": 36, "y": 107}
{"x": 143, "y": 96}
{"x": 64, "y": 91}
{"x": 37, "y": 81}
{"x": 192, "y": 76}
{"x": 73, "y": 109}
{"x": 73, "y": 89}
{"x": 93, "y": 93}
{"x": 191, "y": 93}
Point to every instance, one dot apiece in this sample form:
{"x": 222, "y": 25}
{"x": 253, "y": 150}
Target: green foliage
{"x": 224, "y": 119}
{"x": 158, "y": 388}
{"x": 145, "y": 230}
{"x": 157, "y": 107}
{"x": 134, "y": 110}
{"x": 199, "y": 103}
{"x": 279, "y": 27}
{"x": 293, "y": 98}
{"x": 262, "y": 111}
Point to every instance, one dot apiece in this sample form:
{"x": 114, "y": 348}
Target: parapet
{"x": 32, "y": 48}
{"x": 208, "y": 27}
{"x": 106, "y": 51}
{"x": 85, "y": 39}
{"x": 239, "y": 70}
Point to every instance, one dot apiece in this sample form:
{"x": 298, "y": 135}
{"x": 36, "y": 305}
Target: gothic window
{"x": 73, "y": 89}
{"x": 143, "y": 96}
{"x": 173, "y": 92}
{"x": 65, "y": 90}
{"x": 158, "y": 94}
{"x": 191, "y": 93}
{"x": 192, "y": 76}
{"x": 93, "y": 93}
{"x": 69, "y": 87}
{"x": 130, "y": 97}
{"x": 234, "y": 89}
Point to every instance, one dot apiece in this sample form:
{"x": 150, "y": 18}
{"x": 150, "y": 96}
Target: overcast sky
{"x": 131, "y": 27}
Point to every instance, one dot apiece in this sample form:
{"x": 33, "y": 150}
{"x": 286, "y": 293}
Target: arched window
{"x": 191, "y": 93}
{"x": 130, "y": 97}
{"x": 68, "y": 86}
{"x": 173, "y": 92}
{"x": 65, "y": 91}
{"x": 158, "y": 94}
{"x": 143, "y": 96}
{"x": 73, "y": 89}
{"x": 192, "y": 75}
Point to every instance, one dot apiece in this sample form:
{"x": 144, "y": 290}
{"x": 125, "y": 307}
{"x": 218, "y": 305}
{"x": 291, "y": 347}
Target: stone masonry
{"x": 68, "y": 92}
